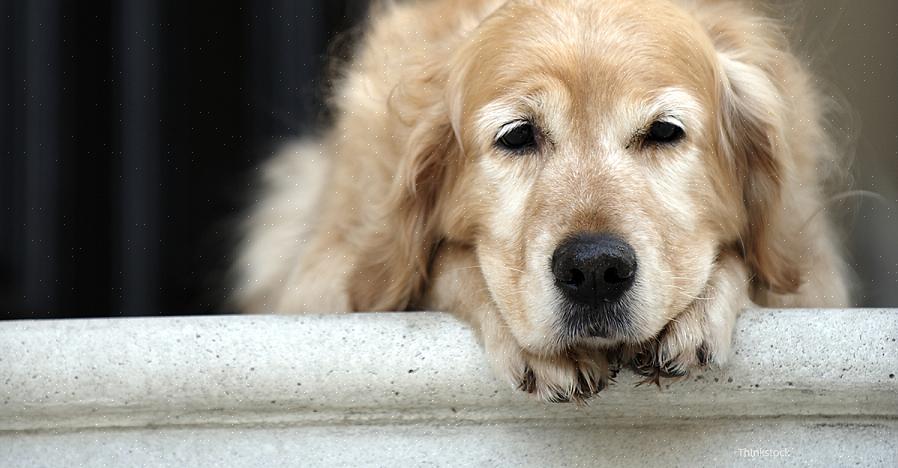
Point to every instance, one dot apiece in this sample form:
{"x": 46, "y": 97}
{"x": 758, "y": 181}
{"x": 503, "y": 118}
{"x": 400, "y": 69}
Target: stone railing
{"x": 804, "y": 387}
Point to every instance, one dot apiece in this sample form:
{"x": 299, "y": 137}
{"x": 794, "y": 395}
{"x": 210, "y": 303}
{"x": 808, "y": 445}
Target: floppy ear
{"x": 396, "y": 250}
{"x": 755, "y": 123}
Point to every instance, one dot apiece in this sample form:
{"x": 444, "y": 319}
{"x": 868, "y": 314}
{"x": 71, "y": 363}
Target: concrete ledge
{"x": 828, "y": 374}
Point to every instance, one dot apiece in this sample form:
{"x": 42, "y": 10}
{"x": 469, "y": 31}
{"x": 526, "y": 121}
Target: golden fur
{"x": 405, "y": 201}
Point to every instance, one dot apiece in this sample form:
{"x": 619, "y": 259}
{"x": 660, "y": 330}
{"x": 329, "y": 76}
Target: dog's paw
{"x": 688, "y": 343}
{"x": 574, "y": 376}
{"x": 701, "y": 336}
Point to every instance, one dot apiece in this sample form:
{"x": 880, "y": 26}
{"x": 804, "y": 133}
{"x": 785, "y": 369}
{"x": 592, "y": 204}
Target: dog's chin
{"x": 593, "y": 330}
{"x": 607, "y": 326}
{"x": 609, "y": 340}
{"x": 608, "y": 322}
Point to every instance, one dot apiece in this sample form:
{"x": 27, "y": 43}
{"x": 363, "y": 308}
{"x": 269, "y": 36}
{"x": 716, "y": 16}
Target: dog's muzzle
{"x": 593, "y": 271}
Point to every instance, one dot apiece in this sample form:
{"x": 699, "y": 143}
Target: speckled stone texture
{"x": 804, "y": 387}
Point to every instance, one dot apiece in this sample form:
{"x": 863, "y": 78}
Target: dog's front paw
{"x": 574, "y": 376}
{"x": 700, "y": 336}
{"x": 686, "y": 344}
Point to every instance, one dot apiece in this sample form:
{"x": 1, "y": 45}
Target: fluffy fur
{"x": 407, "y": 202}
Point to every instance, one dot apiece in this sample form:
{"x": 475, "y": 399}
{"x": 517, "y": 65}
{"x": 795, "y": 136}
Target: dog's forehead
{"x": 594, "y": 49}
{"x": 587, "y": 62}
{"x": 599, "y": 16}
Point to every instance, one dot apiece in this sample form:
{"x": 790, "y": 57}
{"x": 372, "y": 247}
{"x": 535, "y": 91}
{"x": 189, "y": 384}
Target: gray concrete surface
{"x": 817, "y": 387}
{"x": 715, "y": 443}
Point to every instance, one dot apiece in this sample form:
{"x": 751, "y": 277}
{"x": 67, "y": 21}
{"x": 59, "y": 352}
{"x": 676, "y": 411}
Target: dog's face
{"x": 594, "y": 184}
{"x": 599, "y": 156}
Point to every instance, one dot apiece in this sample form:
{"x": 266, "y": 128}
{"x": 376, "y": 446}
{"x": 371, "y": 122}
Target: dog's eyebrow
{"x": 499, "y": 114}
{"x": 670, "y": 118}
{"x": 509, "y": 127}
{"x": 673, "y": 104}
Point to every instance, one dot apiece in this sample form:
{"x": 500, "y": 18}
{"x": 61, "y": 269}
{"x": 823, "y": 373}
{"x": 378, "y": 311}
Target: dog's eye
{"x": 664, "y": 132}
{"x": 517, "y": 136}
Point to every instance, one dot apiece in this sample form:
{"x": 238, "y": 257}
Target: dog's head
{"x": 599, "y": 156}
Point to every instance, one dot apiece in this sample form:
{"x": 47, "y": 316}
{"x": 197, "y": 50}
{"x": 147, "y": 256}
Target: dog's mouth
{"x": 609, "y": 321}
{"x": 611, "y": 324}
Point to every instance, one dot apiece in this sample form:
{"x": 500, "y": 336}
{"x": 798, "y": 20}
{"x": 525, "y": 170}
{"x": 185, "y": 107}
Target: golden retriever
{"x": 578, "y": 179}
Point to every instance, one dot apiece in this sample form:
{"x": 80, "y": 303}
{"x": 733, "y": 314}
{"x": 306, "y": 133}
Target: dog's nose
{"x": 594, "y": 268}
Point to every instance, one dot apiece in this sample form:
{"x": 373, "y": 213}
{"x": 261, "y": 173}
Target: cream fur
{"x": 405, "y": 201}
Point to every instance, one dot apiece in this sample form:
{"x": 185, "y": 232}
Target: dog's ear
{"x": 755, "y": 122}
{"x": 399, "y": 240}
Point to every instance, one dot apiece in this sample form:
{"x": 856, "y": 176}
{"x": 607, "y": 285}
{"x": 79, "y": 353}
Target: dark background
{"x": 130, "y": 133}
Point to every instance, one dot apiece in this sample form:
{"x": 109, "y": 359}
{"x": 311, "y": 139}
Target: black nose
{"x": 593, "y": 268}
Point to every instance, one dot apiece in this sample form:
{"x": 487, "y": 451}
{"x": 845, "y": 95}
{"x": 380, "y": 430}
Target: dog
{"x": 586, "y": 182}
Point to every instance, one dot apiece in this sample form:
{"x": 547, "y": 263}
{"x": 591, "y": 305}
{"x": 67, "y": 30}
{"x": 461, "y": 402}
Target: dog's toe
{"x": 684, "y": 346}
{"x": 571, "y": 377}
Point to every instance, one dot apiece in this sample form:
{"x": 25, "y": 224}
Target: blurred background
{"x": 131, "y": 133}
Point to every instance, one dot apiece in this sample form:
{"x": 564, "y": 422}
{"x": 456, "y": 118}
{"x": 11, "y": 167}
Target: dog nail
{"x": 670, "y": 370}
{"x": 528, "y": 382}
{"x": 703, "y": 354}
